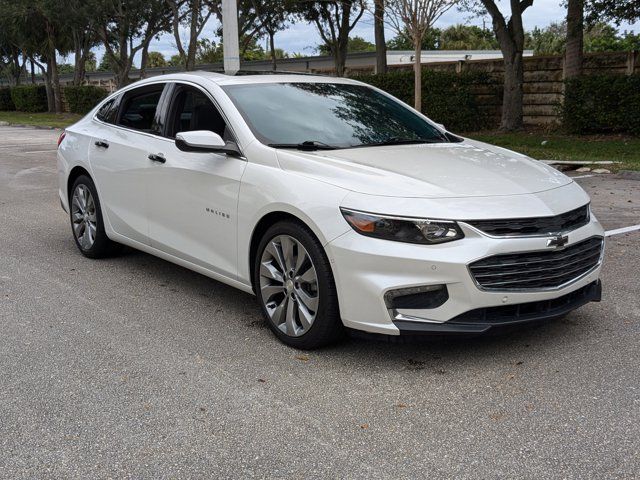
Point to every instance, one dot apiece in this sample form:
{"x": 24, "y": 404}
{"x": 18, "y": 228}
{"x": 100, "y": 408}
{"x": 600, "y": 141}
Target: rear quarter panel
{"x": 73, "y": 152}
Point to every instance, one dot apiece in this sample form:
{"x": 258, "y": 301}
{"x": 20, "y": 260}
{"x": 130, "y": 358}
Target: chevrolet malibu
{"x": 336, "y": 204}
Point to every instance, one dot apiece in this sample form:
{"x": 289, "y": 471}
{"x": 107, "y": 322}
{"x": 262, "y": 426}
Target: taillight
{"x": 61, "y": 137}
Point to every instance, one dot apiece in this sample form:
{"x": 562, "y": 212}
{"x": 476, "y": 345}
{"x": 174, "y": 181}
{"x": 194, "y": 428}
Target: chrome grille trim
{"x": 533, "y": 226}
{"x": 538, "y": 270}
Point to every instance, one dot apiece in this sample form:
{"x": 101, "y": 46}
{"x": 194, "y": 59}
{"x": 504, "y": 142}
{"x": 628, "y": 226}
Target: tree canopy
{"x": 355, "y": 44}
{"x": 598, "y": 37}
{"x": 617, "y": 11}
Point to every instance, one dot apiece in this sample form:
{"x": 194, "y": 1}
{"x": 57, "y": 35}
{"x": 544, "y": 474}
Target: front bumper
{"x": 365, "y": 269}
{"x": 481, "y": 320}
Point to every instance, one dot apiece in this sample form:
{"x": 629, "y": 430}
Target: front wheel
{"x": 295, "y": 287}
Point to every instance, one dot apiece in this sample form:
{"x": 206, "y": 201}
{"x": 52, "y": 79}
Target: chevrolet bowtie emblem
{"x": 558, "y": 241}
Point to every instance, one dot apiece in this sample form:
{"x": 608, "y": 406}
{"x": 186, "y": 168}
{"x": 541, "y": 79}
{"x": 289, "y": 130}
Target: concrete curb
{"x": 579, "y": 162}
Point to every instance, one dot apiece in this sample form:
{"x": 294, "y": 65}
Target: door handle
{"x": 101, "y": 144}
{"x": 157, "y": 157}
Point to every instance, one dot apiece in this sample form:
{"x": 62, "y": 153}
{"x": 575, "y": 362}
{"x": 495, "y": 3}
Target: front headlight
{"x": 403, "y": 229}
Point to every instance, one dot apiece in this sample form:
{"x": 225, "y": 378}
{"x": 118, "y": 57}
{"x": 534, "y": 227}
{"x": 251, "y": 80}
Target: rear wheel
{"x": 295, "y": 287}
{"x": 86, "y": 220}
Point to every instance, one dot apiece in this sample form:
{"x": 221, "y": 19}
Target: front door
{"x": 193, "y": 197}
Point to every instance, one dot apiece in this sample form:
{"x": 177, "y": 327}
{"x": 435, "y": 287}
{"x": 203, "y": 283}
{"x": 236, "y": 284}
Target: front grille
{"x": 534, "y": 226}
{"x": 537, "y": 270}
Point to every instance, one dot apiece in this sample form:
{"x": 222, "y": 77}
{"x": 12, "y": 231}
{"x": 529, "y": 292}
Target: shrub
{"x": 5, "y": 99}
{"x": 602, "y": 104}
{"x": 29, "y": 98}
{"x": 81, "y": 99}
{"x": 447, "y": 97}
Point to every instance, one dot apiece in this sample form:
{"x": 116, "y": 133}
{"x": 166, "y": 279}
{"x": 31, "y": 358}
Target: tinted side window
{"x": 108, "y": 111}
{"x": 192, "y": 110}
{"x": 139, "y": 110}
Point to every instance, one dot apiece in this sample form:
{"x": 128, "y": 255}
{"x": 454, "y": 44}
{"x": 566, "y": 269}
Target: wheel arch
{"x": 261, "y": 227}
{"x": 73, "y": 175}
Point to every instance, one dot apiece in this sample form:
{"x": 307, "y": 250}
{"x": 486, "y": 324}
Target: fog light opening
{"x": 421, "y": 297}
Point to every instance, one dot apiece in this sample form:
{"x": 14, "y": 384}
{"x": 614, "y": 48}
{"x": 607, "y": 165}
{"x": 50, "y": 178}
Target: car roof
{"x": 248, "y": 77}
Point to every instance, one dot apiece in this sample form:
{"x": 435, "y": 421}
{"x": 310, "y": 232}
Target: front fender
{"x": 267, "y": 189}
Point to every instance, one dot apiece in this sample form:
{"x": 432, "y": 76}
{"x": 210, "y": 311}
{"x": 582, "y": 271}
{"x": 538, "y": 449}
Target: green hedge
{"x": 602, "y": 104}
{"x": 29, "y": 98}
{"x": 447, "y": 97}
{"x": 5, "y": 99}
{"x": 82, "y": 99}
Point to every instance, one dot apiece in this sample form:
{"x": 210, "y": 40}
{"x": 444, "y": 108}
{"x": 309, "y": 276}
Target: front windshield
{"x": 328, "y": 114}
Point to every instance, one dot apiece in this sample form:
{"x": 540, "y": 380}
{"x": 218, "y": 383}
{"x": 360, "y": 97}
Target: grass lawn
{"x": 61, "y": 120}
{"x": 624, "y": 149}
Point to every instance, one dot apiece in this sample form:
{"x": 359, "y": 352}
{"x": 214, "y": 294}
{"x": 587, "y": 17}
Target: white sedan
{"x": 335, "y": 203}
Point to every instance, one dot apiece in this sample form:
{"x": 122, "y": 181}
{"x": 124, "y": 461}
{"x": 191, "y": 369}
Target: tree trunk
{"x": 510, "y": 36}
{"x": 122, "y": 73}
{"x": 124, "y": 63}
{"x": 193, "y": 36}
{"x": 81, "y": 50}
{"x": 51, "y": 101}
{"x": 512, "y": 96}
{"x": 77, "y": 58}
{"x": 575, "y": 40}
{"x": 57, "y": 91}
{"x": 123, "y": 77}
{"x": 86, "y": 51}
{"x": 381, "y": 46}
{"x": 78, "y": 73}
{"x": 342, "y": 43}
{"x": 80, "y": 70}
{"x": 16, "y": 66}
{"x": 144, "y": 59}
{"x": 33, "y": 73}
{"x": 53, "y": 65}
{"x": 340, "y": 58}
{"x": 417, "y": 73}
{"x": 55, "y": 82}
{"x": 272, "y": 46}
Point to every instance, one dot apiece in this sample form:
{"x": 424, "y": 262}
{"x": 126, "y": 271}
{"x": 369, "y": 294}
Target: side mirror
{"x": 441, "y": 127}
{"x": 205, "y": 141}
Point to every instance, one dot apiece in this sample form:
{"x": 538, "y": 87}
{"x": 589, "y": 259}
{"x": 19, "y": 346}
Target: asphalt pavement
{"x": 133, "y": 367}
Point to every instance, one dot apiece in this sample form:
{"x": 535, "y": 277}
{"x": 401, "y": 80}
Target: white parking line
{"x": 40, "y": 151}
{"x": 619, "y": 231}
{"x": 584, "y": 176}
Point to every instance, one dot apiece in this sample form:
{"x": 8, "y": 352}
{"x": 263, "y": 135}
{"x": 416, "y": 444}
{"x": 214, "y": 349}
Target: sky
{"x": 303, "y": 38}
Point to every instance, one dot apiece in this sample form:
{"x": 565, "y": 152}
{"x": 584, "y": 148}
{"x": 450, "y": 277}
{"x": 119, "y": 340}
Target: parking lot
{"x": 137, "y": 368}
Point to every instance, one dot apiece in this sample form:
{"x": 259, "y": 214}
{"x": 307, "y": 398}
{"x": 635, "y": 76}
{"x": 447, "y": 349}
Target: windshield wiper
{"x": 308, "y": 145}
{"x": 400, "y": 141}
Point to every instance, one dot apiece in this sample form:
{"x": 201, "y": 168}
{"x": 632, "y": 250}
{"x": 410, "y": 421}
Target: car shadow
{"x": 366, "y": 351}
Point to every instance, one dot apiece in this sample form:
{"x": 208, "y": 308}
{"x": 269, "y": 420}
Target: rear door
{"x": 125, "y": 136}
{"x": 193, "y": 197}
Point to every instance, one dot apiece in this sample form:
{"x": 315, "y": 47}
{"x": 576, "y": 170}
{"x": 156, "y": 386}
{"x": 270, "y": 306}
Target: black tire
{"x": 102, "y": 246}
{"x": 327, "y": 327}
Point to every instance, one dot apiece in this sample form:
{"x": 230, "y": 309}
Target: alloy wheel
{"x": 83, "y": 216}
{"x": 289, "y": 285}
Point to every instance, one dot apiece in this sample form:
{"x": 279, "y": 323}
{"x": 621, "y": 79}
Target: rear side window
{"x": 139, "y": 109}
{"x": 108, "y": 111}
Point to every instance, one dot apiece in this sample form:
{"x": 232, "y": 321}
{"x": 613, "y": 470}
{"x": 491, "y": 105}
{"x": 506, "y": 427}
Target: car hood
{"x": 466, "y": 169}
